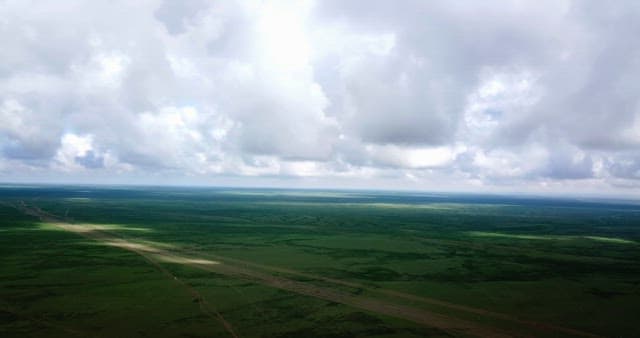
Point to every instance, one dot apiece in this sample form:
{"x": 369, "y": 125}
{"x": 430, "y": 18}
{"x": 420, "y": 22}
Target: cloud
{"x": 75, "y": 151}
{"x": 326, "y": 93}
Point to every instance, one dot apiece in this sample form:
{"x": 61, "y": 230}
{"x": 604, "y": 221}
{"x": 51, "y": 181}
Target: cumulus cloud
{"x": 426, "y": 95}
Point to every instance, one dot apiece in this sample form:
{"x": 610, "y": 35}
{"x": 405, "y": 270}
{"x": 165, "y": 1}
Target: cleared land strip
{"x": 483, "y": 312}
{"x": 140, "y": 249}
{"x": 240, "y": 269}
{"x": 202, "y": 302}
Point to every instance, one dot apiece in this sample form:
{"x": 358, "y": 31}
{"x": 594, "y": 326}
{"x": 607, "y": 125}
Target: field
{"x": 195, "y": 262}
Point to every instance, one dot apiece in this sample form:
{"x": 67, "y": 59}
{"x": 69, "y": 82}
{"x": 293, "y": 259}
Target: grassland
{"x": 179, "y": 262}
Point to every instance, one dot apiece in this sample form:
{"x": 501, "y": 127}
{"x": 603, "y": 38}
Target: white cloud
{"x": 105, "y": 70}
{"x": 411, "y": 94}
{"x": 72, "y": 149}
{"x": 412, "y": 157}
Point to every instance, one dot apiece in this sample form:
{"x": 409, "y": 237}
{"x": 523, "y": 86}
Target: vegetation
{"x": 191, "y": 262}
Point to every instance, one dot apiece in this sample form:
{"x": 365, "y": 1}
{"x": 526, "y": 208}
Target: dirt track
{"x": 483, "y": 312}
{"x": 243, "y": 270}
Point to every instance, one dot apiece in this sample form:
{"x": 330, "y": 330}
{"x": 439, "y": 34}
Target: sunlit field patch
{"x": 294, "y": 193}
{"x": 517, "y": 236}
{"x": 87, "y": 227}
{"x": 79, "y": 199}
{"x": 614, "y": 240}
{"x": 611, "y": 240}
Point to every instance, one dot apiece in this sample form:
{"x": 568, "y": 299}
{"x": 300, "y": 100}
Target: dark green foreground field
{"x": 156, "y": 262}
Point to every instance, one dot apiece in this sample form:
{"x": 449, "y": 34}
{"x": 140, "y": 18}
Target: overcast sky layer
{"x": 514, "y": 96}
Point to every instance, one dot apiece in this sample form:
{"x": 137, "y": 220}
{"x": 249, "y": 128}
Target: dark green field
{"x": 188, "y": 262}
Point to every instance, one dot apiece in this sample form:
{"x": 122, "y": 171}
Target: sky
{"x": 478, "y": 96}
